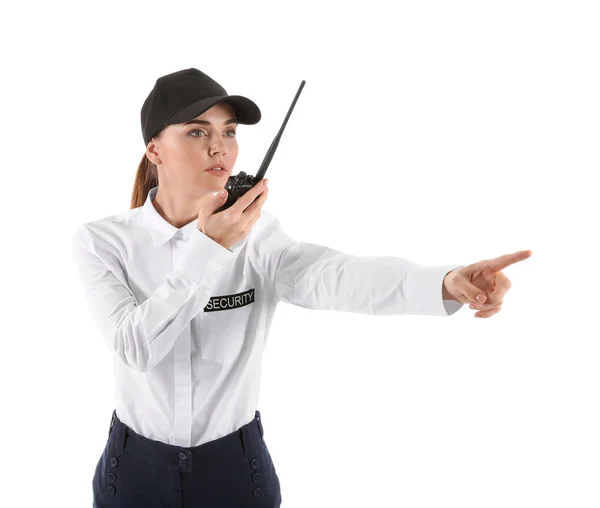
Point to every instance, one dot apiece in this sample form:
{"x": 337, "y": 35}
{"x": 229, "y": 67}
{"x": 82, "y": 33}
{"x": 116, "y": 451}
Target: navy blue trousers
{"x": 233, "y": 471}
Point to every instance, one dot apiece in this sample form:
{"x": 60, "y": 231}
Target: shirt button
{"x": 256, "y": 477}
{"x": 182, "y": 464}
{"x": 254, "y": 463}
{"x": 182, "y": 455}
{"x": 111, "y": 490}
{"x": 258, "y": 492}
{"x": 114, "y": 462}
{"x": 112, "y": 477}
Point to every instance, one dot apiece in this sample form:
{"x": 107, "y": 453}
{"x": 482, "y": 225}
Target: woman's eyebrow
{"x": 204, "y": 122}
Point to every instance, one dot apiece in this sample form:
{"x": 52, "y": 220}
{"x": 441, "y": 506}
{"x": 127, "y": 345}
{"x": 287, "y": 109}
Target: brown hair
{"x": 145, "y": 178}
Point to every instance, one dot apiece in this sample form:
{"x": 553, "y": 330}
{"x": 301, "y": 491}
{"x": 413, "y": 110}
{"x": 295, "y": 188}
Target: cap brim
{"x": 246, "y": 111}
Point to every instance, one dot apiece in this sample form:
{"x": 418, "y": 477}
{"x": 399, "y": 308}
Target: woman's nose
{"x": 218, "y": 146}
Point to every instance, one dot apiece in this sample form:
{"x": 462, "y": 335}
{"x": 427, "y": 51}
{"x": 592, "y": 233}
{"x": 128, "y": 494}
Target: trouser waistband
{"x": 176, "y": 458}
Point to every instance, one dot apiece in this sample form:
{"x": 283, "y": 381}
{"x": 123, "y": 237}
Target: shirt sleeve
{"x": 318, "y": 277}
{"x": 141, "y": 334}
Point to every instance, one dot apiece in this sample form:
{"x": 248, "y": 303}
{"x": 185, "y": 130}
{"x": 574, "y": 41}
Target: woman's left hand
{"x": 483, "y": 278}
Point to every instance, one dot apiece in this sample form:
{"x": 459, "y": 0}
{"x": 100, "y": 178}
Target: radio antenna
{"x": 271, "y": 151}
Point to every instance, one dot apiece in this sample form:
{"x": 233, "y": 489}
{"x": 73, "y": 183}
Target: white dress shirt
{"x": 188, "y": 320}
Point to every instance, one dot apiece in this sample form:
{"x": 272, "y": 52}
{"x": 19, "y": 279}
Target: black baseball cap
{"x": 185, "y": 94}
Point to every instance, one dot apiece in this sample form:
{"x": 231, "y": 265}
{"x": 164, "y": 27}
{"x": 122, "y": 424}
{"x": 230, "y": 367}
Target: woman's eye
{"x": 197, "y": 130}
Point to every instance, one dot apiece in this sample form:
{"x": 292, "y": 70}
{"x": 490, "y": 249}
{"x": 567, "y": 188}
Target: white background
{"x": 442, "y": 132}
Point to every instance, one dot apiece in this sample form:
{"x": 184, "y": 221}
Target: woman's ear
{"x": 152, "y": 153}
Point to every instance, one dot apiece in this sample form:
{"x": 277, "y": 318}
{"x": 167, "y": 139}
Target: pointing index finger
{"x": 501, "y": 262}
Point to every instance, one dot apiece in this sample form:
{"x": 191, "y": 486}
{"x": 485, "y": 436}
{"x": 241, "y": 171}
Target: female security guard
{"x": 168, "y": 289}
{"x": 184, "y": 298}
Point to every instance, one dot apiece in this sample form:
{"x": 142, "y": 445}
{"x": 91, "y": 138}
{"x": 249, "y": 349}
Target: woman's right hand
{"x": 234, "y": 223}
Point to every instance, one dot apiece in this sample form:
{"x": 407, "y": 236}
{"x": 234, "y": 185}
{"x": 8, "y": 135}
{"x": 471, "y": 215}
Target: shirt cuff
{"x": 202, "y": 257}
{"x": 451, "y": 306}
{"x": 424, "y": 291}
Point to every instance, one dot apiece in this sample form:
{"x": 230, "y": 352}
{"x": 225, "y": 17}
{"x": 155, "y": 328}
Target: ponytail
{"x": 145, "y": 179}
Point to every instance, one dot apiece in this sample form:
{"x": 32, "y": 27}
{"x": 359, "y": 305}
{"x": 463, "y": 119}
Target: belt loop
{"x": 112, "y": 422}
{"x": 247, "y": 441}
{"x": 260, "y": 427}
{"x": 119, "y": 435}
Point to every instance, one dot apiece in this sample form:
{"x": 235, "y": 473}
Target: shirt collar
{"x": 160, "y": 230}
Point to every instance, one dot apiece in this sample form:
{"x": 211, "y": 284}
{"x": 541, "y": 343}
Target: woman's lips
{"x": 220, "y": 172}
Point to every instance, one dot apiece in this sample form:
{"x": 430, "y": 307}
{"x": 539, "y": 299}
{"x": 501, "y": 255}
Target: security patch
{"x": 227, "y": 302}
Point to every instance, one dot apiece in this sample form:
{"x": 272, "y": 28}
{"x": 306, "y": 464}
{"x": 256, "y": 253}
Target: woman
{"x": 184, "y": 298}
{"x": 174, "y": 439}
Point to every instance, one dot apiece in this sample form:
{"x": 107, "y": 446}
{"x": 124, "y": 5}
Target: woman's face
{"x": 184, "y": 151}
